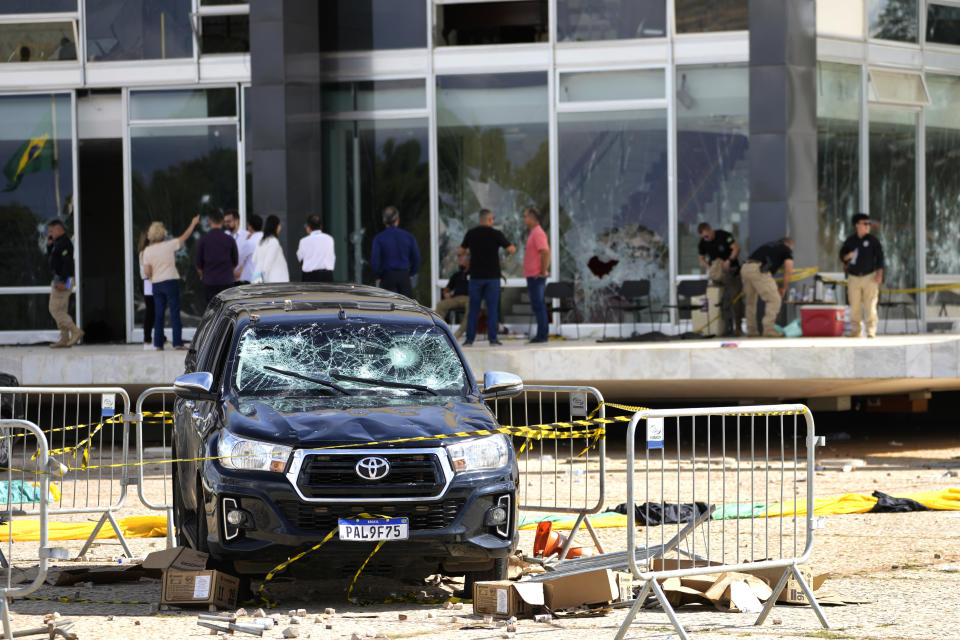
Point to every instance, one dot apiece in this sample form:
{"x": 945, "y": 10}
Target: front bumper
{"x": 447, "y": 531}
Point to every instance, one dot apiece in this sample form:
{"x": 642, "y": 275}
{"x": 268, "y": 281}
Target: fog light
{"x": 495, "y": 516}
{"x": 233, "y": 518}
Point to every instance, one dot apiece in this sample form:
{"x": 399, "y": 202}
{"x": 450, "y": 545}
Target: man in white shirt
{"x": 245, "y": 270}
{"x": 315, "y": 253}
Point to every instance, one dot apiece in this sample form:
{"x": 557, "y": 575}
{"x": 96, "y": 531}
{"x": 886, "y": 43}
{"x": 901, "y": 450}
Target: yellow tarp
{"x": 132, "y": 527}
{"x": 945, "y": 500}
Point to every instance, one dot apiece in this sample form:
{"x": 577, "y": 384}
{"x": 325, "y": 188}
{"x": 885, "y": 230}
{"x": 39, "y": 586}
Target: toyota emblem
{"x": 372, "y": 468}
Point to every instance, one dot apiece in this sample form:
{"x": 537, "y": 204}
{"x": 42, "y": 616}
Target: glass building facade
{"x": 626, "y": 122}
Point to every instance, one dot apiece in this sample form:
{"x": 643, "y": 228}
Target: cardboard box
{"x": 505, "y": 599}
{"x": 594, "y": 587}
{"x": 186, "y": 579}
{"x": 199, "y": 587}
{"x": 792, "y": 593}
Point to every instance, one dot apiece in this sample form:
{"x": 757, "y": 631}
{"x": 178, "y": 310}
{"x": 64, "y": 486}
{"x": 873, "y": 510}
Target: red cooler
{"x": 822, "y": 320}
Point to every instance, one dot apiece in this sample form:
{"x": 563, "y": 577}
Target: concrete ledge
{"x": 753, "y": 369}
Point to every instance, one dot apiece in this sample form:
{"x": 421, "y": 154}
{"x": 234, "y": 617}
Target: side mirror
{"x": 195, "y": 386}
{"x": 497, "y": 384}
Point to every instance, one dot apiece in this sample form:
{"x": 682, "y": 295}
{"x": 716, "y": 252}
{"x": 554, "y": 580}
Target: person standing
{"x": 149, "y": 308}
{"x": 231, "y": 225}
{"x": 246, "y": 269}
{"x": 315, "y": 252}
{"x": 758, "y": 282}
{"x": 862, "y": 255}
{"x": 719, "y": 254}
{"x": 60, "y": 254}
{"x": 160, "y": 265}
{"x": 271, "y": 265}
{"x": 216, "y": 257}
{"x": 456, "y": 295}
{"x": 395, "y": 257}
{"x": 536, "y": 266}
{"x": 483, "y": 242}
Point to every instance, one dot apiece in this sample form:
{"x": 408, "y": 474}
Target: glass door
{"x": 183, "y": 161}
{"x": 893, "y": 208}
{"x": 37, "y": 152}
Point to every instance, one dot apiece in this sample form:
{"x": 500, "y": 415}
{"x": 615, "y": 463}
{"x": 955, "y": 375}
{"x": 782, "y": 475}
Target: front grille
{"x": 334, "y": 475}
{"x": 310, "y": 517}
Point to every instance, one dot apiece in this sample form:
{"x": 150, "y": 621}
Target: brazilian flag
{"x": 36, "y": 154}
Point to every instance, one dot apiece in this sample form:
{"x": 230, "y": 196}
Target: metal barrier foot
{"x": 781, "y": 584}
{"x": 668, "y": 609}
{"x": 106, "y": 517}
{"x": 622, "y": 631}
{"x": 5, "y": 614}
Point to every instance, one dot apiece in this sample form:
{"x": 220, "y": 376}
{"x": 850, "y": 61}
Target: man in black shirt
{"x": 483, "y": 242}
{"x": 718, "y": 253}
{"x": 456, "y": 295}
{"x": 757, "y": 274}
{"x": 60, "y": 252}
{"x": 862, "y": 256}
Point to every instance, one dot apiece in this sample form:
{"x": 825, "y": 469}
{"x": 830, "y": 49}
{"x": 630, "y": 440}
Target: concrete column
{"x": 284, "y": 115}
{"x": 783, "y": 125}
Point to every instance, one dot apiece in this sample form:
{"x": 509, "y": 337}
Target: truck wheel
{"x": 497, "y": 572}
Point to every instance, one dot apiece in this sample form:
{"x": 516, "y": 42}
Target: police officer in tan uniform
{"x": 757, "y": 274}
{"x": 862, "y": 256}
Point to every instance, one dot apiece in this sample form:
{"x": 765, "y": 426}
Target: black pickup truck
{"x": 311, "y": 408}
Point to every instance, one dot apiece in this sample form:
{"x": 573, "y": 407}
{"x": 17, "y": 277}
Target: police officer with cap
{"x": 862, "y": 256}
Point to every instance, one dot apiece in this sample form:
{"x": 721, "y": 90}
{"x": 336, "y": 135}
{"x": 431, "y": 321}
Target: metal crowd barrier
{"x": 85, "y": 430}
{"x": 36, "y": 485}
{"x": 167, "y": 398}
{"x": 557, "y": 474}
{"x": 736, "y": 462}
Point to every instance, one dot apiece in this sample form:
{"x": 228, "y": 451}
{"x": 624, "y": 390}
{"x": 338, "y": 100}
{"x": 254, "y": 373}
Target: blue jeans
{"x": 166, "y": 293}
{"x": 484, "y": 289}
{"x": 538, "y": 305}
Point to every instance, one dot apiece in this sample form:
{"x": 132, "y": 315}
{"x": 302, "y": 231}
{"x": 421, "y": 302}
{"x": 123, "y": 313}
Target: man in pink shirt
{"x": 536, "y": 265}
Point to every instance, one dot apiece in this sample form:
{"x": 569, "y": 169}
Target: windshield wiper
{"x": 385, "y": 383}
{"x": 320, "y": 381}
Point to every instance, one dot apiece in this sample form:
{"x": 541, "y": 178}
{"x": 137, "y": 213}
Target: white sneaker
{"x": 148, "y": 346}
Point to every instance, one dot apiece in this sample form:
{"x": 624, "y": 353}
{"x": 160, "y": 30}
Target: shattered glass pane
{"x": 613, "y": 204}
{"x": 394, "y": 353}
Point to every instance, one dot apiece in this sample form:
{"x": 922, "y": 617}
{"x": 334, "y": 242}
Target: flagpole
{"x": 56, "y": 161}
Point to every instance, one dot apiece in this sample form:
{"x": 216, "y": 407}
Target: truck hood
{"x": 301, "y": 427}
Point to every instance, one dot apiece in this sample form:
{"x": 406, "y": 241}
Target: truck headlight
{"x": 479, "y": 454}
{"x": 251, "y": 455}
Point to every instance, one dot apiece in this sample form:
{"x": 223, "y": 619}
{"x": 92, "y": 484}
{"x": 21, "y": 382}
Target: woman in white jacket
{"x": 271, "y": 265}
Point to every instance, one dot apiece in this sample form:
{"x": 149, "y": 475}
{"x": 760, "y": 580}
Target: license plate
{"x": 374, "y": 529}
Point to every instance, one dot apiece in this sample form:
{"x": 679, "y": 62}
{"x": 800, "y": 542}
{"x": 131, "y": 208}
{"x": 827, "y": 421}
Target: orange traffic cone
{"x": 548, "y": 542}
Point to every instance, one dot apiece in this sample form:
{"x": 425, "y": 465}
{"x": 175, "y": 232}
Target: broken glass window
{"x": 398, "y": 353}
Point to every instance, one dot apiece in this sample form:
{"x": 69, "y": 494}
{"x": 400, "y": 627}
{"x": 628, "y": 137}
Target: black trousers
{"x": 397, "y": 280}
{"x": 320, "y": 275}
{"x": 148, "y": 314}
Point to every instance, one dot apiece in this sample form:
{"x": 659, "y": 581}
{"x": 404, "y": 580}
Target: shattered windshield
{"x": 337, "y": 358}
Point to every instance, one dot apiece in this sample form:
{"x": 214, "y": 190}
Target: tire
{"x": 498, "y": 572}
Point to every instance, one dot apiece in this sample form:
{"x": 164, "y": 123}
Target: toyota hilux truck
{"x": 312, "y": 408}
